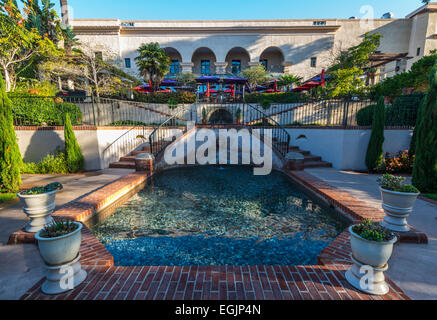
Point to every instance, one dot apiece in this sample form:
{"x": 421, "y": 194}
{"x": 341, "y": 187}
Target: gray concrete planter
{"x": 370, "y": 260}
{"x": 372, "y": 253}
{"x": 397, "y": 206}
{"x": 38, "y": 208}
{"x": 60, "y": 250}
{"x": 61, "y": 256}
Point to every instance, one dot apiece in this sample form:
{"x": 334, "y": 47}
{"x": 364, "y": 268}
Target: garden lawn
{"x": 432, "y": 196}
{"x": 7, "y": 196}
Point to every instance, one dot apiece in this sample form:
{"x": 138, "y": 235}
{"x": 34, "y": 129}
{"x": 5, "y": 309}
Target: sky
{"x": 236, "y": 9}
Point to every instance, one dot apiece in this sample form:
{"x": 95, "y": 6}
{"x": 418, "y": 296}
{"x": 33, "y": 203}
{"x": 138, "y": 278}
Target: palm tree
{"x": 287, "y": 80}
{"x": 153, "y": 63}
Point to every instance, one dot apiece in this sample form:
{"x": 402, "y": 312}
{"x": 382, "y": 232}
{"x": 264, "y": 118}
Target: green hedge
{"x": 51, "y": 164}
{"x": 33, "y": 110}
{"x": 282, "y": 97}
{"x": 402, "y": 112}
{"x": 179, "y": 97}
{"x": 365, "y": 116}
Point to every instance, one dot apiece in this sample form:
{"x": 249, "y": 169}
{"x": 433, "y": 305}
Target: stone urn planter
{"x": 370, "y": 260}
{"x": 61, "y": 256}
{"x": 397, "y": 201}
{"x": 397, "y": 206}
{"x": 38, "y": 205}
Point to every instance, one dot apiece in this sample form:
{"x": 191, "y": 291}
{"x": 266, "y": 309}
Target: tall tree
{"x": 350, "y": 64}
{"x": 375, "y": 148}
{"x": 10, "y": 156}
{"x": 255, "y": 76}
{"x": 96, "y": 68}
{"x": 153, "y": 63}
{"x": 425, "y": 164}
{"x": 18, "y": 45}
{"x": 413, "y": 143}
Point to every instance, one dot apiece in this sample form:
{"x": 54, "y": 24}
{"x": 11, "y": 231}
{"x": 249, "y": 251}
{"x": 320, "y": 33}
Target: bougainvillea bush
{"x": 401, "y": 162}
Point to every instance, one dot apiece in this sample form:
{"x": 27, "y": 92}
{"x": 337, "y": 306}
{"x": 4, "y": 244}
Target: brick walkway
{"x": 320, "y": 282}
{"x": 216, "y": 283}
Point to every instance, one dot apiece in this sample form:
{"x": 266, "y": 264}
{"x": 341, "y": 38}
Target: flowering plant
{"x": 402, "y": 162}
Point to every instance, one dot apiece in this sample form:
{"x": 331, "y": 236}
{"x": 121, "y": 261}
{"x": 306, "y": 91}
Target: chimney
{"x": 64, "y": 12}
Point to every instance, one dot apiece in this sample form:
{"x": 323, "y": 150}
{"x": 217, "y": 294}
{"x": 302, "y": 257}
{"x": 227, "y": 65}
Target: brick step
{"x": 128, "y": 159}
{"x": 134, "y": 153}
{"x": 317, "y": 164}
{"x": 311, "y": 158}
{"x": 122, "y": 165}
{"x": 296, "y": 149}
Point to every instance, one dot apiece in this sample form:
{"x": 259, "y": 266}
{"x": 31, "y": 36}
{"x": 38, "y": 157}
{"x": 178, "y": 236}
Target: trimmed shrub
{"x": 51, "y": 164}
{"x": 281, "y": 97}
{"x": 10, "y": 156}
{"x": 34, "y": 110}
{"x": 425, "y": 164}
{"x": 412, "y": 150}
{"x": 374, "y": 149}
{"x": 180, "y": 97}
{"x": 73, "y": 154}
{"x": 365, "y": 116}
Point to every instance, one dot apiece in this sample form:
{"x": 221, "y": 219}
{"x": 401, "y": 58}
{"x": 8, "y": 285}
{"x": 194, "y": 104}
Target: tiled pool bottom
{"x": 218, "y": 216}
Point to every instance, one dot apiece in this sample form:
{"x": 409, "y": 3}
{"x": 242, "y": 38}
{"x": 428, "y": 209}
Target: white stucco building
{"x": 300, "y": 47}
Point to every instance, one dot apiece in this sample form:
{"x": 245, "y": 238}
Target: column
{"x": 186, "y": 67}
{"x": 253, "y": 64}
{"x": 287, "y": 66}
{"x": 220, "y": 67}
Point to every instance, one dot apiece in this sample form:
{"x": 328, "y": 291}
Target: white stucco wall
{"x": 95, "y": 144}
{"x": 346, "y": 149}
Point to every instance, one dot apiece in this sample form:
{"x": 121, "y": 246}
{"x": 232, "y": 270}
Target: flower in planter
{"x": 373, "y": 231}
{"x": 40, "y": 190}
{"x": 394, "y": 183}
{"x": 58, "y": 228}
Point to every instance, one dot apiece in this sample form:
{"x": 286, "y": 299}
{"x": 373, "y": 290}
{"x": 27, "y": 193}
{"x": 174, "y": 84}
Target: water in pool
{"x": 218, "y": 216}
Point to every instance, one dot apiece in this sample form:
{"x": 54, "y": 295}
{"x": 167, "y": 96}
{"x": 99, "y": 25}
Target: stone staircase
{"x": 128, "y": 162}
{"x": 310, "y": 161}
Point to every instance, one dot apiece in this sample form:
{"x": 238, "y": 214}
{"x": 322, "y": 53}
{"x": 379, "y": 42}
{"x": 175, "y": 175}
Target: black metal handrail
{"x": 281, "y": 137}
{"x": 32, "y": 110}
{"x": 124, "y": 144}
{"x": 157, "y": 139}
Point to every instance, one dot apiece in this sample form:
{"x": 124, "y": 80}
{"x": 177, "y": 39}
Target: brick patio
{"x": 325, "y": 281}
